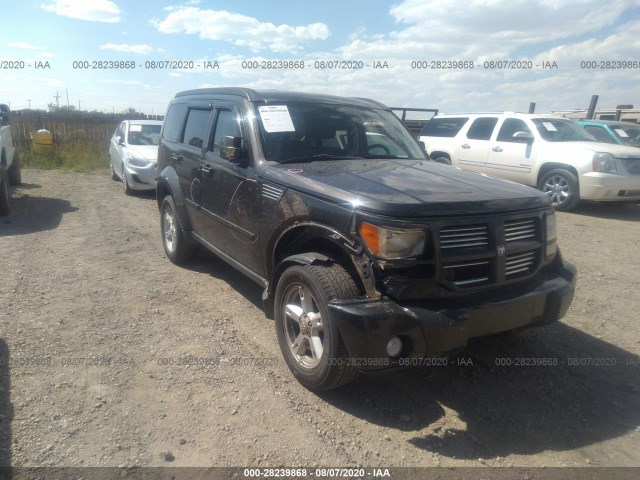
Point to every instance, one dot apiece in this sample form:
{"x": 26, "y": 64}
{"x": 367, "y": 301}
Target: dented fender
{"x": 168, "y": 184}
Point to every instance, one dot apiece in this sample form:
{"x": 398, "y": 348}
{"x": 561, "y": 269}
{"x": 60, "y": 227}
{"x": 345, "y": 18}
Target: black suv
{"x": 371, "y": 256}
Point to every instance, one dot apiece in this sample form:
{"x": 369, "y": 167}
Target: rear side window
{"x": 443, "y": 127}
{"x": 196, "y": 127}
{"x": 482, "y": 128}
{"x": 600, "y": 134}
{"x": 173, "y": 122}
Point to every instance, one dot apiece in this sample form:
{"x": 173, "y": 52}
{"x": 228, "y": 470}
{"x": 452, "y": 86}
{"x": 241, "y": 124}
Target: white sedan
{"x": 133, "y": 154}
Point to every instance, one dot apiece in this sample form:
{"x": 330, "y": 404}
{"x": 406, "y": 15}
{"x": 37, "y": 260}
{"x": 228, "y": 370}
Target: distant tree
{"x": 62, "y": 108}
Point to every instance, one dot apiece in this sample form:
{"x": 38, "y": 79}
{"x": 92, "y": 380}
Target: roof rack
{"x": 414, "y": 125}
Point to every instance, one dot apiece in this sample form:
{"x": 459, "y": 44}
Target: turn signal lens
{"x": 370, "y": 235}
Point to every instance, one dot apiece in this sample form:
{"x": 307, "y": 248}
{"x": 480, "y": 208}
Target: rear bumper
{"x": 367, "y": 325}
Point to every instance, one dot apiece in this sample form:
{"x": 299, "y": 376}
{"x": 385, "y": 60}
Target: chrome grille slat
{"x": 520, "y": 230}
{"x": 463, "y": 237}
{"x": 475, "y": 264}
{"x": 460, "y": 283}
{"x": 520, "y": 263}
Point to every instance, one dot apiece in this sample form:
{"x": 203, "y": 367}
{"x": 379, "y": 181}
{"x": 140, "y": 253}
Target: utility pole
{"x": 29, "y": 100}
{"x": 67, "y": 90}
{"x": 78, "y": 105}
{"x": 57, "y": 97}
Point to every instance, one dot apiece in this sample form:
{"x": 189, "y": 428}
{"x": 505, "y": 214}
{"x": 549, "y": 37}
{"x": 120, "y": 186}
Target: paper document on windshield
{"x": 276, "y": 118}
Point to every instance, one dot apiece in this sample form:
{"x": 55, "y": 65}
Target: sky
{"x": 111, "y": 55}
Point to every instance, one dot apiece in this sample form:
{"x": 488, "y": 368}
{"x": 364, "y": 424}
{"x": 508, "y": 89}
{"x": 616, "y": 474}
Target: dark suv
{"x": 371, "y": 256}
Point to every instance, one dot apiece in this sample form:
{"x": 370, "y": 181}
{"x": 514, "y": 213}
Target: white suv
{"x": 551, "y": 153}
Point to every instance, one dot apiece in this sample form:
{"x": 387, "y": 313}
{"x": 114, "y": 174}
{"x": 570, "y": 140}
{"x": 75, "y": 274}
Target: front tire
{"x": 125, "y": 183}
{"x": 307, "y": 334}
{"x": 562, "y": 188}
{"x": 114, "y": 175}
{"x": 15, "y": 175}
{"x": 176, "y": 246}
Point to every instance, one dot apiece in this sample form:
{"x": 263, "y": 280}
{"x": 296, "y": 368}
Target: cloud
{"x": 140, "y": 49}
{"x": 239, "y": 29}
{"x": 92, "y": 11}
{"x": 496, "y": 29}
{"x": 24, "y": 45}
{"x": 129, "y": 83}
{"x": 518, "y": 21}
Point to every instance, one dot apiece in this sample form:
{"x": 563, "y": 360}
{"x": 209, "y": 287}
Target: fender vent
{"x": 272, "y": 192}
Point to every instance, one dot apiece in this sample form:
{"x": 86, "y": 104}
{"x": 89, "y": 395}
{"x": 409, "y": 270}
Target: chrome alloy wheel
{"x": 557, "y": 188}
{"x": 169, "y": 229}
{"x": 303, "y": 327}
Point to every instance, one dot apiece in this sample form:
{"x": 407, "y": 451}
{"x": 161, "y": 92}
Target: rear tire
{"x": 4, "y": 192}
{"x": 562, "y": 188}
{"x": 307, "y": 334}
{"x": 176, "y": 246}
{"x": 15, "y": 175}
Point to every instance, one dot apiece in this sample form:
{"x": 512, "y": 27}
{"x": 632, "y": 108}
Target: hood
{"x": 148, "y": 152}
{"x": 619, "y": 151}
{"x": 405, "y": 187}
{"x": 570, "y": 148}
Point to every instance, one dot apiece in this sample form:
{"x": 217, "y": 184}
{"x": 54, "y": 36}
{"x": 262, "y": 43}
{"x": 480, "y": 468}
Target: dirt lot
{"x": 107, "y": 344}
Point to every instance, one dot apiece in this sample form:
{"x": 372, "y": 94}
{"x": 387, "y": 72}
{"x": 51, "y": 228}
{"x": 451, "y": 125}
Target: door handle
{"x": 465, "y": 146}
{"x": 176, "y": 158}
{"x": 206, "y": 169}
{"x": 497, "y": 149}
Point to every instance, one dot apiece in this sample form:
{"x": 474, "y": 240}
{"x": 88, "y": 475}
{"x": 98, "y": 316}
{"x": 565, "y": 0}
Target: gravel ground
{"x": 113, "y": 356}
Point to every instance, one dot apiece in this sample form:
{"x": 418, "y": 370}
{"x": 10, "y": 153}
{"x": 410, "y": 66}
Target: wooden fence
{"x": 68, "y": 131}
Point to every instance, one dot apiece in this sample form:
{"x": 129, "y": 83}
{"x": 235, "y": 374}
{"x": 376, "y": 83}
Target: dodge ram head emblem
{"x": 501, "y": 250}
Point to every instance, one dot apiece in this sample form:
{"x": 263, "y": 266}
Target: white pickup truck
{"x": 9, "y": 161}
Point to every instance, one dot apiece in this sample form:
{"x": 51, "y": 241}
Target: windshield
{"x": 628, "y": 134}
{"x": 293, "y": 132}
{"x": 143, "y": 134}
{"x": 561, "y": 130}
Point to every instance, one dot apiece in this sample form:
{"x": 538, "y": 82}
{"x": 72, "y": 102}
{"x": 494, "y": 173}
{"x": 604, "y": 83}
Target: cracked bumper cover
{"x": 366, "y": 325}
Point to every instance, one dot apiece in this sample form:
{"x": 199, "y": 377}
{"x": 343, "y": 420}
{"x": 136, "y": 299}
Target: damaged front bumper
{"x": 431, "y": 329}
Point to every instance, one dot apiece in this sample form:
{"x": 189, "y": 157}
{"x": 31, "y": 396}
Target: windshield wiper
{"x": 317, "y": 156}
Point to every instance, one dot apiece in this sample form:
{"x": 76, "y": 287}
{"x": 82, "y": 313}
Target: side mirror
{"x": 231, "y": 149}
{"x": 4, "y": 115}
{"x": 524, "y": 137}
{"x": 120, "y": 140}
{"x": 423, "y": 146}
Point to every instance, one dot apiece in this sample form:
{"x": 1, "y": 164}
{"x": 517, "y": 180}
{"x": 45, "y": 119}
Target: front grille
{"x": 632, "y": 165}
{"x": 479, "y": 255}
{"x": 464, "y": 236}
